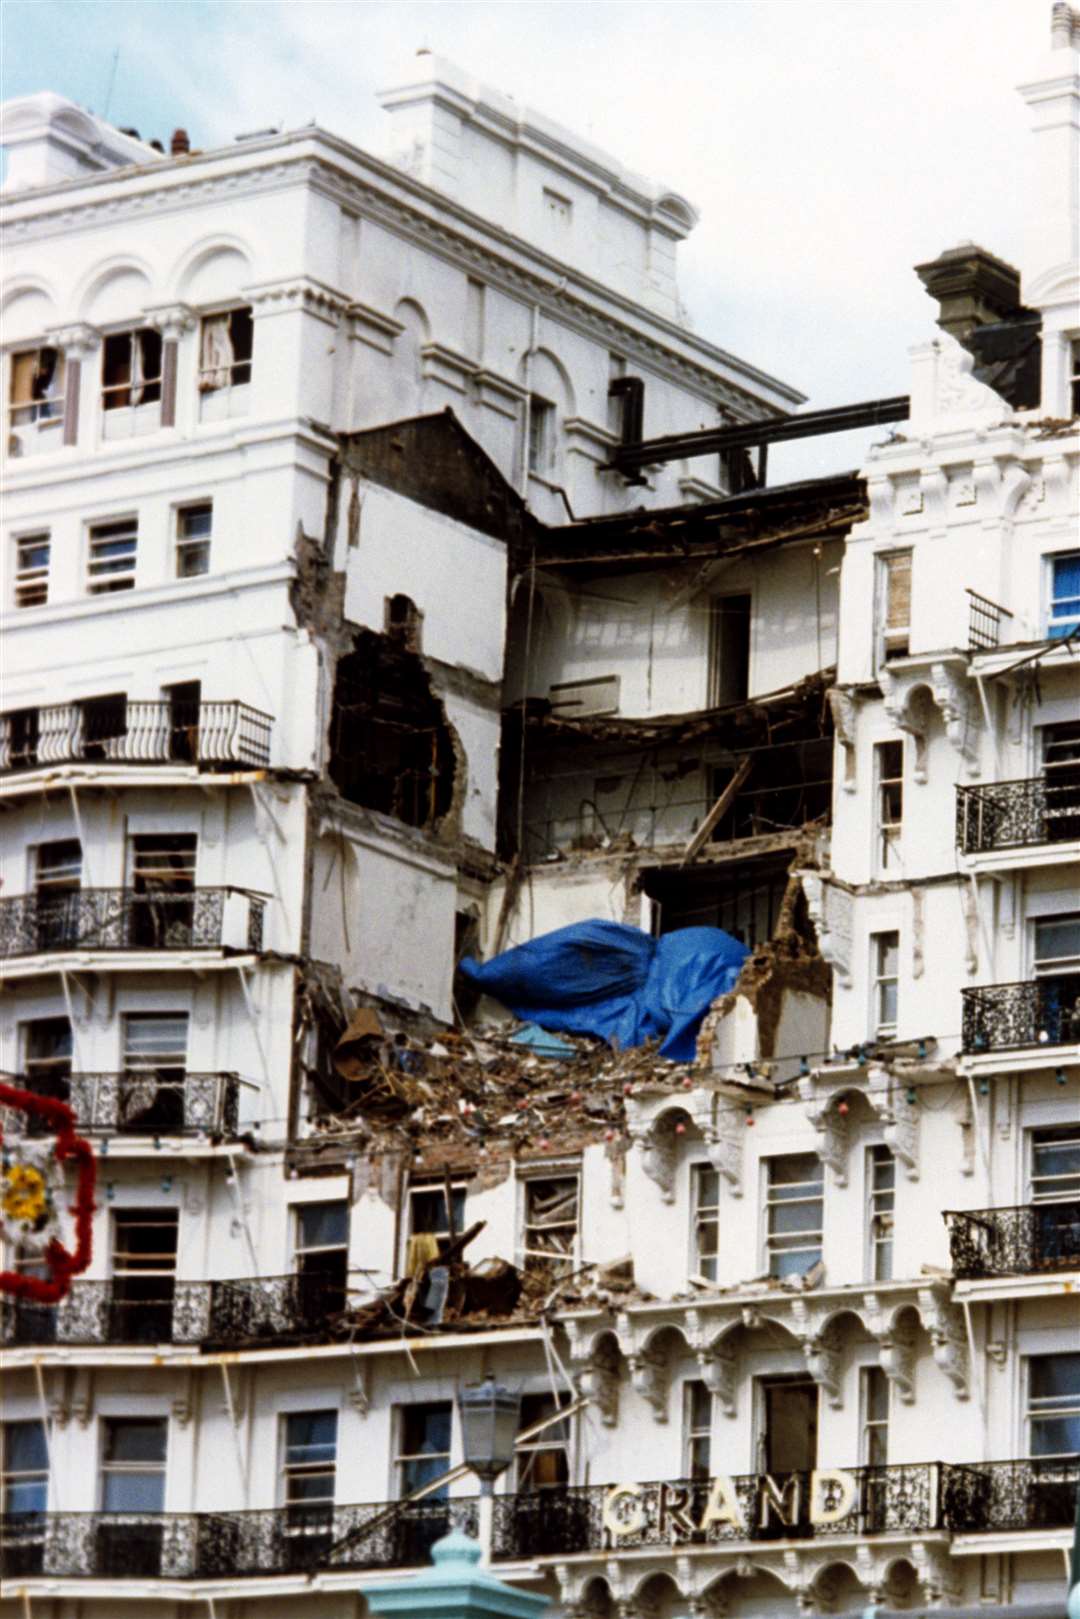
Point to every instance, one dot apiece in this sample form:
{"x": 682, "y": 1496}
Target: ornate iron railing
{"x": 121, "y": 919}
{"x": 138, "y": 1102}
{"x": 119, "y": 1310}
{"x": 268, "y": 1309}
{"x": 115, "y": 730}
{"x": 1028, "y": 1240}
{"x": 221, "y": 1545}
{"x": 908, "y": 1499}
{"x": 1038, "y": 1012}
{"x": 996, "y": 1497}
{"x": 1018, "y": 814}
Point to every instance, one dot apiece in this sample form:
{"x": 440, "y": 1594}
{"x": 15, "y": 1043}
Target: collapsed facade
{"x": 322, "y": 433}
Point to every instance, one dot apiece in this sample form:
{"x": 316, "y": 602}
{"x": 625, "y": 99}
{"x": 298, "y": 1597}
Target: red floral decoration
{"x": 60, "y": 1262}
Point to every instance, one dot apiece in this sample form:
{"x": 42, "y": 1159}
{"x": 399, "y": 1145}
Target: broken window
{"x": 542, "y": 1461}
{"x": 794, "y": 1210}
{"x": 162, "y": 914}
{"x": 1061, "y": 769}
{"x": 402, "y": 622}
{"x": 47, "y": 1053}
{"x": 102, "y": 721}
{"x": 744, "y": 898}
{"x": 697, "y": 1430}
{"x": 57, "y": 880}
{"x": 895, "y": 608}
{"x": 432, "y": 1216}
{"x": 143, "y": 1275}
{"x": 32, "y": 569}
{"x": 551, "y": 1225}
{"x": 111, "y": 556}
{"x": 729, "y": 652}
{"x": 889, "y": 771}
{"x": 706, "y": 1188}
{"x": 131, "y": 382}
{"x": 881, "y": 1202}
{"x": 886, "y": 963}
{"x": 225, "y": 346}
{"x": 155, "y": 1063}
{"x": 390, "y": 746}
{"x": 36, "y": 400}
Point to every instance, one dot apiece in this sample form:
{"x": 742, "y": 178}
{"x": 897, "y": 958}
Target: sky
{"x": 830, "y": 145}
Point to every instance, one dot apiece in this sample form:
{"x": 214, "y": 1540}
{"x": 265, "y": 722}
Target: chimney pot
{"x": 180, "y": 144}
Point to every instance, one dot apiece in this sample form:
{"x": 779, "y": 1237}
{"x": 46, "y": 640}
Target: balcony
{"x": 251, "y": 1312}
{"x": 1034, "y": 1239}
{"x": 1009, "y": 1017}
{"x": 112, "y": 919}
{"x": 906, "y": 1500}
{"x": 142, "y": 1102}
{"x": 114, "y": 730}
{"x": 1018, "y": 814}
{"x": 986, "y": 622}
{"x": 226, "y": 1545}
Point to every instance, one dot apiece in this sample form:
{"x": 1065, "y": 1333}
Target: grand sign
{"x": 727, "y": 1506}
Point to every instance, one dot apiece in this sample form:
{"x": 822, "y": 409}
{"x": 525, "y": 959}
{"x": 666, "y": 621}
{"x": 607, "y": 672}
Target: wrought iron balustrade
{"x": 137, "y": 1102}
{"x": 984, "y": 622}
{"x": 223, "y": 1545}
{"x": 997, "y": 1497}
{"x": 1028, "y": 1240}
{"x": 115, "y": 730}
{"x": 269, "y": 1309}
{"x": 1019, "y": 814}
{"x": 1037, "y": 1012}
{"x": 123, "y": 919}
{"x": 119, "y": 1310}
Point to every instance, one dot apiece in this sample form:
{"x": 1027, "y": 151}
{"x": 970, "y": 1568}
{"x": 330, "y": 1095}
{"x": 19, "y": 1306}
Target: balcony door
{"x": 143, "y": 1275}
{"x": 57, "y": 881}
{"x": 151, "y": 1096}
{"x": 184, "y": 701}
{"x": 133, "y": 1487}
{"x": 162, "y": 911}
{"x": 1061, "y": 773}
{"x": 787, "y": 1445}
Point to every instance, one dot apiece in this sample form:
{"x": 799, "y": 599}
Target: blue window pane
{"x": 133, "y": 1492}
{"x": 25, "y": 1450}
{"x": 311, "y": 1436}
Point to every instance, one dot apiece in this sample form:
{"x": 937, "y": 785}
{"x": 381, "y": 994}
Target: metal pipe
{"x": 526, "y": 420}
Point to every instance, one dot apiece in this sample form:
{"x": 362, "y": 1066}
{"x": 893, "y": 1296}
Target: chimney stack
{"x": 972, "y": 288}
{"x": 180, "y": 145}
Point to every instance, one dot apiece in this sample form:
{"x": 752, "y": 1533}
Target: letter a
{"x": 722, "y": 1507}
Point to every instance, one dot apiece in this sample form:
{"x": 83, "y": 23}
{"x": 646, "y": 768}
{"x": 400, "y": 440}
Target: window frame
{"x": 888, "y": 832}
{"x": 112, "y": 577}
{"x": 870, "y": 1426}
{"x": 1050, "y": 966}
{"x": 884, "y": 1028}
{"x": 694, "y": 1434}
{"x": 554, "y": 1439}
{"x": 880, "y": 1211}
{"x": 540, "y": 436}
{"x": 891, "y": 640}
{"x": 44, "y": 409}
{"x": 10, "y": 1477}
{"x": 703, "y": 1215}
{"x": 114, "y": 1469}
{"x": 150, "y": 388}
{"x": 1064, "y": 1135}
{"x": 402, "y": 1458}
{"x": 289, "y": 1470}
{"x": 205, "y": 372}
{"x": 1069, "y": 622}
{"x": 31, "y": 581}
{"x": 1049, "y": 1414}
{"x": 769, "y": 1202}
{"x": 561, "y": 1265}
{"x": 187, "y": 544}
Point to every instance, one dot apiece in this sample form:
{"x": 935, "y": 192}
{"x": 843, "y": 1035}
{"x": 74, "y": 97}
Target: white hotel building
{"x": 312, "y": 688}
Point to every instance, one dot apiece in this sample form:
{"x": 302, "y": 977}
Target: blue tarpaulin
{"x": 614, "y": 981}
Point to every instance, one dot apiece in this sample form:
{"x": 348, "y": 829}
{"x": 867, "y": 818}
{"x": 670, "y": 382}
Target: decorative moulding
{"x": 374, "y": 328}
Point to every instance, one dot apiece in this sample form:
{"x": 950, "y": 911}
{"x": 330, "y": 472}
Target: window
{"x": 697, "y": 1430}
{"x": 1074, "y": 376}
{"x": 541, "y": 433}
{"x": 1053, "y": 1411}
{"x": 24, "y": 1495}
{"x": 886, "y": 965}
{"x": 1064, "y": 615}
{"x": 131, "y": 382}
{"x": 154, "y": 1062}
{"x": 874, "y": 1450}
{"x": 1057, "y": 943}
{"x": 423, "y": 1446}
{"x": 429, "y": 1215}
{"x": 543, "y": 1461}
{"x": 143, "y": 1275}
{"x": 402, "y": 622}
{"x": 193, "y": 527}
{"x": 788, "y": 1418}
{"x": 794, "y": 1212}
{"x": 103, "y": 725}
{"x": 32, "y": 570}
{"x": 322, "y": 1257}
{"x": 226, "y": 343}
{"x": 36, "y": 400}
{"x": 47, "y": 1050}
{"x": 729, "y": 630}
{"x": 133, "y": 1464}
{"x": 1061, "y": 770}
{"x": 889, "y": 772}
{"x": 706, "y": 1190}
{"x": 162, "y": 914}
{"x": 895, "y": 604}
{"x": 308, "y": 1460}
{"x": 1055, "y": 1163}
{"x": 111, "y": 560}
{"x": 57, "y": 878}
{"x": 551, "y": 1225}
{"x": 881, "y": 1199}
{"x": 25, "y": 1466}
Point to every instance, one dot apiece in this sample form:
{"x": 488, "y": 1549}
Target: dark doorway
{"x": 730, "y": 649}
{"x": 790, "y": 1425}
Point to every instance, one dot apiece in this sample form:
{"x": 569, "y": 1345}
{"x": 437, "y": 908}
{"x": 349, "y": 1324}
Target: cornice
{"x": 544, "y": 280}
